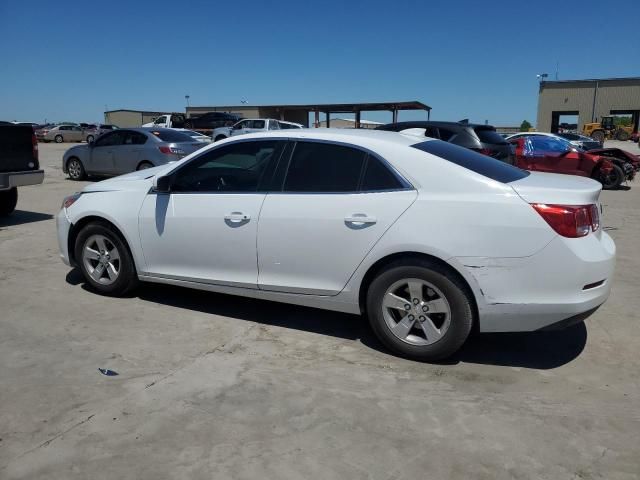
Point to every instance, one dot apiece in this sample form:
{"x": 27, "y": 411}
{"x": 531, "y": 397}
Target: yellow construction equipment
{"x": 606, "y": 129}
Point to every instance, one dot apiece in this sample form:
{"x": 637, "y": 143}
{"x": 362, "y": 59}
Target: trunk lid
{"x": 557, "y": 189}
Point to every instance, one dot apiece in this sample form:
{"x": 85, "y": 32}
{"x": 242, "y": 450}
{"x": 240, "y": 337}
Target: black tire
{"x": 90, "y": 138}
{"x": 75, "y": 169}
{"x": 188, "y": 125}
{"x": 144, "y": 165}
{"x": 127, "y": 278}
{"x": 58, "y": 139}
{"x": 613, "y": 180}
{"x": 623, "y": 135}
{"x": 454, "y": 291}
{"x": 8, "y": 201}
{"x": 598, "y": 136}
{"x": 219, "y": 137}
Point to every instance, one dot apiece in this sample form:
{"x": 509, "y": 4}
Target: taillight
{"x": 572, "y": 221}
{"x": 34, "y": 146}
{"x": 171, "y": 150}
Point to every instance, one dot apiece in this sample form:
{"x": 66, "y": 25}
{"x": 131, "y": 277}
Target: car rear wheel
{"x": 144, "y": 165}
{"x": 105, "y": 260}
{"x": 89, "y": 138}
{"x": 420, "y": 311}
{"x": 76, "y": 169}
{"x": 613, "y": 179}
{"x": 8, "y": 201}
{"x": 58, "y": 138}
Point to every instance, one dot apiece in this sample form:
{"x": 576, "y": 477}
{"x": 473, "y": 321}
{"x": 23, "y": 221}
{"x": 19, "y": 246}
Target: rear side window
{"x": 171, "y": 136}
{"x": 446, "y": 134}
{"x": 324, "y": 168}
{"x": 487, "y": 135}
{"x": 378, "y": 177}
{"x": 476, "y": 162}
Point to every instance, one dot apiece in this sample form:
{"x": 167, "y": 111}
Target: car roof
{"x": 437, "y": 123}
{"x": 355, "y": 136}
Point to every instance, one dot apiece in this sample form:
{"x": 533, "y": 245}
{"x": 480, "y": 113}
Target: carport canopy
{"x": 357, "y": 108}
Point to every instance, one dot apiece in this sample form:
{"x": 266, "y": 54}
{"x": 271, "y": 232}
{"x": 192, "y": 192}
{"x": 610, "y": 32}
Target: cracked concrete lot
{"x": 213, "y": 386}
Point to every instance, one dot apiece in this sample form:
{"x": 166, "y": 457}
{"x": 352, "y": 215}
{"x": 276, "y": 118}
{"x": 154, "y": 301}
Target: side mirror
{"x": 163, "y": 184}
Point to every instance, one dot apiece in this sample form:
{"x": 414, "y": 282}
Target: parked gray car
{"x": 126, "y": 150}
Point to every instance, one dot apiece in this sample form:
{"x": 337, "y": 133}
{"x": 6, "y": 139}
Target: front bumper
{"x": 20, "y": 179}
{"x": 63, "y": 226}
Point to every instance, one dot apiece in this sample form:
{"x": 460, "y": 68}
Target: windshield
{"x": 535, "y": 144}
{"x": 171, "y": 136}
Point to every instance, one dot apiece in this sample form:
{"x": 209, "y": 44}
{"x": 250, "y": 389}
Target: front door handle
{"x": 360, "y": 219}
{"x": 237, "y": 217}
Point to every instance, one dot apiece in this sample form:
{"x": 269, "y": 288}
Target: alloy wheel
{"x": 101, "y": 259}
{"x": 416, "y": 311}
{"x": 75, "y": 169}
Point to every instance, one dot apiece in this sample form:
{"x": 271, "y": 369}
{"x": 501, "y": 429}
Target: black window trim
{"x": 279, "y": 182}
{"x": 261, "y": 190}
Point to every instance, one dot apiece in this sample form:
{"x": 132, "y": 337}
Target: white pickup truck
{"x": 250, "y": 125}
{"x": 170, "y": 120}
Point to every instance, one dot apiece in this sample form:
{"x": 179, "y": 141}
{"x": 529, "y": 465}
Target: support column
{"x": 395, "y": 115}
{"x": 316, "y": 124}
{"x": 357, "y": 118}
{"x": 328, "y": 114}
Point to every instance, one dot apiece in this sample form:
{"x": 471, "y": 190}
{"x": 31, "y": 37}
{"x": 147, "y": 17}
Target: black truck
{"x": 19, "y": 164}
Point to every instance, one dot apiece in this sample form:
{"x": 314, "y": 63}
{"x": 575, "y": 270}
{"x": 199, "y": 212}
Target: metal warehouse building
{"x": 588, "y": 99}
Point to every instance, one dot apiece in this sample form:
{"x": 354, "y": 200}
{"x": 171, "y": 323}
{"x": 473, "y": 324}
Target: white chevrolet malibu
{"x": 425, "y": 238}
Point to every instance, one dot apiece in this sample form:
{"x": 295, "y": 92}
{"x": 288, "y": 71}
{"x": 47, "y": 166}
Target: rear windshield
{"x": 487, "y": 135}
{"x": 171, "y": 136}
{"x": 482, "y": 164}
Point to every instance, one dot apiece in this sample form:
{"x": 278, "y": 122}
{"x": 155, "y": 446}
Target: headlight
{"x": 70, "y": 200}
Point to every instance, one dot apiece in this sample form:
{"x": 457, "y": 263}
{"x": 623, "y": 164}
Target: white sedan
{"x": 425, "y": 238}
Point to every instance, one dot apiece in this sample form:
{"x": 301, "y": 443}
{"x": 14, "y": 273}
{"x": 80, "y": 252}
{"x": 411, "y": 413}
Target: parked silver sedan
{"x": 126, "y": 150}
{"x": 64, "y": 133}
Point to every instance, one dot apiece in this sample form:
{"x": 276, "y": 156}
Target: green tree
{"x": 525, "y": 126}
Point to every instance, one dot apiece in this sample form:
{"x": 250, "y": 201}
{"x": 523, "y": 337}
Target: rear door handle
{"x": 360, "y": 218}
{"x": 237, "y": 217}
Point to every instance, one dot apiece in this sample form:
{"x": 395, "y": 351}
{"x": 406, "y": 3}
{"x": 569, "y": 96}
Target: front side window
{"x": 159, "y": 121}
{"x": 539, "y": 144}
{"x": 324, "y": 168}
{"x": 238, "y": 167}
{"x": 273, "y": 125}
{"x": 259, "y": 124}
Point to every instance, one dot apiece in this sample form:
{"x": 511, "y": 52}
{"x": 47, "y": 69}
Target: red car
{"x": 549, "y": 153}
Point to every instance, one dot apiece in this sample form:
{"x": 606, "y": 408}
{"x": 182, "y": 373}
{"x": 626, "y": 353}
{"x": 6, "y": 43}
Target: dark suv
{"x": 211, "y": 120}
{"x": 481, "y": 138}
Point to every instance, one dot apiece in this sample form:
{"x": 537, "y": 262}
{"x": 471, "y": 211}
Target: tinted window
{"x": 488, "y": 135}
{"x": 273, "y": 125}
{"x": 110, "y": 139}
{"x": 446, "y": 134}
{"x": 377, "y": 176}
{"x": 482, "y": 164}
{"x": 323, "y": 167}
{"x": 233, "y": 168}
{"x": 255, "y": 124}
{"x": 171, "y": 136}
{"x": 134, "y": 138}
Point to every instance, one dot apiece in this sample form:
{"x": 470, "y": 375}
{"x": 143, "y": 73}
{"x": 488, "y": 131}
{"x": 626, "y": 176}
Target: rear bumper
{"x": 20, "y": 179}
{"x": 562, "y": 284}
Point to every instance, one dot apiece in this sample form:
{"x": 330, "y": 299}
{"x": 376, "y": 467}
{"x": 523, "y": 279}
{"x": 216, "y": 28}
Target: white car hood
{"x": 140, "y": 180}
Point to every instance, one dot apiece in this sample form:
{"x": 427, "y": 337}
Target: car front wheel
{"x": 105, "y": 260}
{"x": 76, "y": 169}
{"x": 420, "y": 311}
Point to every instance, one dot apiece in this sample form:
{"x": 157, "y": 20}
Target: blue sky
{"x": 467, "y": 59}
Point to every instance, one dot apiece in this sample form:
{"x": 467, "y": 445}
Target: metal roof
{"x": 331, "y": 107}
{"x": 591, "y": 80}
